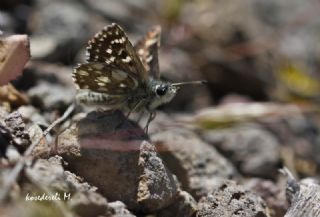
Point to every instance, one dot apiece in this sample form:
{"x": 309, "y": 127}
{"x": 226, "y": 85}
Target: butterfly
{"x": 118, "y": 75}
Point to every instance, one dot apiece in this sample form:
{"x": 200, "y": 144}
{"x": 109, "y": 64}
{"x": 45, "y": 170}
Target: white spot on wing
{"x": 149, "y": 59}
{"x": 109, "y": 51}
{"x": 101, "y": 84}
{"x": 83, "y": 73}
{"x": 104, "y": 79}
{"x": 140, "y": 51}
{"x": 97, "y": 66}
{"x": 126, "y": 60}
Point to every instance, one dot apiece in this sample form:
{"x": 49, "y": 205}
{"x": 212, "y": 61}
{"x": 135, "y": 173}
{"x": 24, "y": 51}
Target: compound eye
{"x": 162, "y": 90}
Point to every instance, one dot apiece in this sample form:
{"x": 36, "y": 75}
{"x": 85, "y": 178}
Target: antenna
{"x": 190, "y": 82}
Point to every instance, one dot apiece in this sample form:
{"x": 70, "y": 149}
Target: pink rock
{"x": 14, "y": 54}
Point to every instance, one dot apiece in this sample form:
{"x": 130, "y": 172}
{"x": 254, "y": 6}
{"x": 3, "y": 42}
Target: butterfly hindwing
{"x": 147, "y": 49}
{"x": 112, "y": 47}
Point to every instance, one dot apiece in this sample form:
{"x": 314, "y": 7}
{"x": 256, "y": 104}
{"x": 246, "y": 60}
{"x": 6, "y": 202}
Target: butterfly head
{"x": 163, "y": 92}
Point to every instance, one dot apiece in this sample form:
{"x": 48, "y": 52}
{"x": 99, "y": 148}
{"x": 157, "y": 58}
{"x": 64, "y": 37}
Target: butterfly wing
{"x": 147, "y": 49}
{"x": 104, "y": 85}
{"x": 104, "y": 78}
{"x": 112, "y": 47}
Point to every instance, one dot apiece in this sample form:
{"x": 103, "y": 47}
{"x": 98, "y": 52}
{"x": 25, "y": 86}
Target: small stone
{"x": 198, "y": 166}
{"x": 255, "y": 151}
{"x": 230, "y": 199}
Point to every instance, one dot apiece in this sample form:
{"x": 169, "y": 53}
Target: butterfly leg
{"x": 140, "y": 116}
{"x": 152, "y": 116}
{"x": 134, "y": 108}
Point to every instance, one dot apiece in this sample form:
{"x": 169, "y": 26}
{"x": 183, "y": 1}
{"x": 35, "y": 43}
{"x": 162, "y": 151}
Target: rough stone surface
{"x": 30, "y": 113}
{"x": 255, "y": 151}
{"x": 156, "y": 183}
{"x": 115, "y": 157}
{"x": 118, "y": 209}
{"x": 184, "y": 206}
{"x": 80, "y": 197}
{"x": 17, "y": 128}
{"x": 304, "y": 197}
{"x": 89, "y": 204}
{"x": 198, "y": 166}
{"x": 272, "y": 193}
{"x": 232, "y": 200}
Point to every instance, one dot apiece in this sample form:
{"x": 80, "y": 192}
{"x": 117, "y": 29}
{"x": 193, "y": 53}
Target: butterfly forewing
{"x": 147, "y": 49}
{"x": 100, "y": 77}
{"x": 112, "y": 47}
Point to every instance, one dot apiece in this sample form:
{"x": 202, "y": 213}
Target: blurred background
{"x": 248, "y": 51}
{"x": 261, "y": 59}
{"x": 259, "y": 50}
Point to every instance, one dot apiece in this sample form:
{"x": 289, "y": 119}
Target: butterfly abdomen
{"x": 94, "y": 98}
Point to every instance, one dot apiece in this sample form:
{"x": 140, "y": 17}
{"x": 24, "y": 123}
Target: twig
{"x": 12, "y": 176}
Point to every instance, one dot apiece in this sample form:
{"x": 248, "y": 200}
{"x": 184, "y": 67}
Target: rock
{"x": 14, "y": 131}
{"x": 61, "y": 27}
{"x": 114, "y": 9}
{"x": 51, "y": 96}
{"x": 38, "y": 71}
{"x": 255, "y": 151}
{"x": 88, "y": 204}
{"x": 231, "y": 200}
{"x": 184, "y": 206}
{"x": 43, "y": 148}
{"x": 49, "y": 173}
{"x": 272, "y": 193}
{"x": 157, "y": 187}
{"x": 14, "y": 54}
{"x": 118, "y": 209}
{"x": 80, "y": 197}
{"x": 111, "y": 153}
{"x": 32, "y": 114}
{"x": 299, "y": 135}
{"x": 198, "y": 166}
{"x": 304, "y": 197}
{"x": 46, "y": 178}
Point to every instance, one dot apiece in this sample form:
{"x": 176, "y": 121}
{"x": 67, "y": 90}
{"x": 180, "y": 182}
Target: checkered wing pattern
{"x": 147, "y": 49}
{"x": 113, "y": 65}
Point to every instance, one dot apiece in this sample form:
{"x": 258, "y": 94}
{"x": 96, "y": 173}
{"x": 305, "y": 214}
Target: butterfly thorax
{"x": 149, "y": 96}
